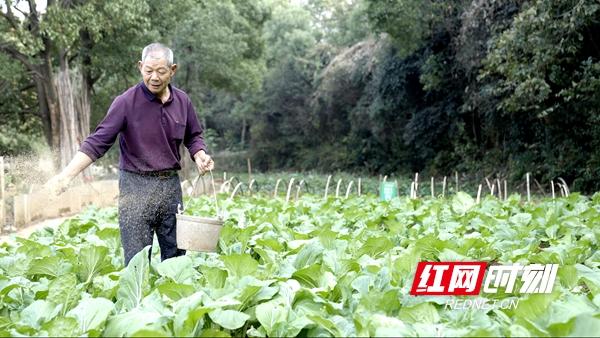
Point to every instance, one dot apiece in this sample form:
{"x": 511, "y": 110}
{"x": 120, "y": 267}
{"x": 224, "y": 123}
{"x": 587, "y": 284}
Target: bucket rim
{"x": 198, "y": 219}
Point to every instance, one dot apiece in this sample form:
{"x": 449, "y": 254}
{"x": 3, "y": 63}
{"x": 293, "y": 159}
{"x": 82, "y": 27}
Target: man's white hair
{"x": 155, "y": 49}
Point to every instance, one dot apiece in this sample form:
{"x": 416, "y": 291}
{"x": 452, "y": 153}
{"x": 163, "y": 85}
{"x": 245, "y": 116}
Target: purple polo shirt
{"x": 150, "y": 132}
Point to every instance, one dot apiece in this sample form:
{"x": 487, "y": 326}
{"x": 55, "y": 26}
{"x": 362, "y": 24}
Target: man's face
{"x": 156, "y": 73}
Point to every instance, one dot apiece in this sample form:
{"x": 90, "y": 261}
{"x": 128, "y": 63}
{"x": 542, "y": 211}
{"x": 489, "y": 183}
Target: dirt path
{"x": 28, "y": 230}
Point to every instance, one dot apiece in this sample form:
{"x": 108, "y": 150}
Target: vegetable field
{"x": 311, "y": 267}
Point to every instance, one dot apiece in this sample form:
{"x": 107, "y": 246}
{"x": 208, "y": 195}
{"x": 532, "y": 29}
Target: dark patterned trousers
{"x": 147, "y": 205}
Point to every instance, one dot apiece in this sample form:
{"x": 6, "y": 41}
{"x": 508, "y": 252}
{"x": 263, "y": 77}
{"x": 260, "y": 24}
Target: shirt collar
{"x": 151, "y": 96}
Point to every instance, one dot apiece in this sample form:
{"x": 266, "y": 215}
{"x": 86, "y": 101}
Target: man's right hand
{"x": 57, "y": 184}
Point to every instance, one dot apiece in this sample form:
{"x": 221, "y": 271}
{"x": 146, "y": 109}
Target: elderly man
{"x": 152, "y": 119}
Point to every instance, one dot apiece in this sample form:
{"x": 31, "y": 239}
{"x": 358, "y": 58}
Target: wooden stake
{"x": 456, "y": 179}
{"x": 412, "y": 190}
{"x": 505, "y": 190}
{"x": 276, "y": 187}
{"x": 300, "y": 185}
{"x": 562, "y": 189}
{"x": 499, "y": 189}
{"x": 432, "y": 187}
{"x": 416, "y": 184}
{"x": 359, "y": 186}
{"x": 488, "y": 184}
{"x": 479, "y": 194}
{"x": 337, "y": 189}
{"x": 249, "y": 169}
{"x": 528, "y": 189}
{"x": 384, "y": 178}
{"x": 237, "y": 186}
{"x": 492, "y": 190}
{"x": 565, "y": 186}
{"x": 444, "y": 187}
{"x": 251, "y": 185}
{"x": 226, "y": 185}
{"x": 287, "y": 196}
{"x": 552, "y": 188}
{"x": 327, "y": 186}
{"x": 540, "y": 188}
{"x": 348, "y": 189}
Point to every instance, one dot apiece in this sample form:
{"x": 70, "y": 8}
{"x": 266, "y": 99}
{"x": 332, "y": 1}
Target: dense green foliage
{"x": 497, "y": 88}
{"x": 312, "y": 267}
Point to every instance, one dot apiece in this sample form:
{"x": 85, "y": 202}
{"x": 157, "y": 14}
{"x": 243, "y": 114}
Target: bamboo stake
{"x": 384, "y": 178}
{"x": 416, "y": 184}
{"x": 287, "y": 196}
{"x": 505, "y": 190}
{"x": 488, "y": 184}
{"x": 479, "y": 194}
{"x": 412, "y": 190}
{"x": 444, "y": 187}
{"x": 237, "y": 186}
{"x": 222, "y": 187}
{"x": 348, "y": 189}
{"x": 562, "y": 189}
{"x": 227, "y": 184}
{"x": 251, "y": 185}
{"x": 249, "y": 169}
{"x": 540, "y": 188}
{"x": 499, "y": 188}
{"x": 528, "y": 189}
{"x": 552, "y": 188}
{"x": 565, "y": 186}
{"x": 432, "y": 188}
{"x": 276, "y": 187}
{"x": 224, "y": 176}
{"x": 492, "y": 191}
{"x": 359, "y": 186}
{"x": 327, "y": 186}
{"x": 337, "y": 189}
{"x": 456, "y": 179}
{"x": 300, "y": 185}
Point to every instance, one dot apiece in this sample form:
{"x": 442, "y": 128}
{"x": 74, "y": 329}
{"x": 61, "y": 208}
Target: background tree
{"x": 58, "y": 49}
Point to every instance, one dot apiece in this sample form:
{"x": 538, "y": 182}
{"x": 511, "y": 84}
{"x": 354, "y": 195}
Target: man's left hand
{"x": 204, "y": 162}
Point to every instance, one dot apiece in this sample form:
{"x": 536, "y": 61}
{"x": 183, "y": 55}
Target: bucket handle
{"x": 212, "y": 179}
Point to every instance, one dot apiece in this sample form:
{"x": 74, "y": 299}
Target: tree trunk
{"x": 73, "y": 98}
{"x": 44, "y": 111}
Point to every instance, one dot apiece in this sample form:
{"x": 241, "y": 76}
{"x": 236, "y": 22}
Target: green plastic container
{"x": 388, "y": 190}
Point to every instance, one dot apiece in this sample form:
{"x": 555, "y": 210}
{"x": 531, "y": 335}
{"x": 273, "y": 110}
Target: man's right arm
{"x": 94, "y": 146}
{"x": 98, "y": 143}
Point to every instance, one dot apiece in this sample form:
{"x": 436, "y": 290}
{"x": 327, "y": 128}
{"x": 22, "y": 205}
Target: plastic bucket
{"x": 198, "y": 233}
